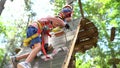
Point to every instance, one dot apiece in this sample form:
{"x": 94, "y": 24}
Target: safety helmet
{"x": 67, "y": 6}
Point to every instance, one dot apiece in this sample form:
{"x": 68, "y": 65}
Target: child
{"x": 37, "y": 44}
{"x": 66, "y": 15}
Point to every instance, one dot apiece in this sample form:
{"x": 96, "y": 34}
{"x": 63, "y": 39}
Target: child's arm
{"x": 56, "y": 21}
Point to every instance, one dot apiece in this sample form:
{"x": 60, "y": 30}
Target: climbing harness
{"x": 41, "y": 28}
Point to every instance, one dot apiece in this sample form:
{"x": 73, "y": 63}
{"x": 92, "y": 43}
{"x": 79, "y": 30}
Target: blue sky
{"x": 16, "y": 9}
{"x": 43, "y": 8}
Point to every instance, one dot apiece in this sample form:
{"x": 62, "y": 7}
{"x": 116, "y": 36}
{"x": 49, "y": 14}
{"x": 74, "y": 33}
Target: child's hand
{"x": 47, "y": 57}
{"x": 67, "y": 26}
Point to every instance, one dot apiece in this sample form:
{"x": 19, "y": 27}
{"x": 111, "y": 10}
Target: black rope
{"x": 70, "y": 3}
{"x": 80, "y": 6}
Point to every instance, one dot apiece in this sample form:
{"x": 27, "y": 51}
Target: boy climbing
{"x": 37, "y": 38}
{"x": 66, "y": 15}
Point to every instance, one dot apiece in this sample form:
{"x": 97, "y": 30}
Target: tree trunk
{"x": 2, "y": 3}
{"x": 114, "y": 66}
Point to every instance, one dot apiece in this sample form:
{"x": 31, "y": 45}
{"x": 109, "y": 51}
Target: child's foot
{"x": 23, "y": 65}
{"x": 13, "y": 61}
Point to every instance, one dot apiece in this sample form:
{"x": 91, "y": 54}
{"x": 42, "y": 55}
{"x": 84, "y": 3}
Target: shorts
{"x": 31, "y": 31}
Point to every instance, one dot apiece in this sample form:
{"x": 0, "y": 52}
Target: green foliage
{"x": 2, "y": 52}
{"x": 76, "y": 10}
{"x": 2, "y": 27}
{"x": 15, "y": 33}
{"x": 105, "y": 14}
{"x": 78, "y": 63}
{"x": 58, "y": 6}
{"x": 114, "y": 23}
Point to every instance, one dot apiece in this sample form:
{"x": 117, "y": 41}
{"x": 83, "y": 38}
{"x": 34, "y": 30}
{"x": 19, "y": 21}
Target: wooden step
{"x": 79, "y": 48}
{"x": 87, "y": 33}
{"x": 87, "y": 37}
{"x": 89, "y": 41}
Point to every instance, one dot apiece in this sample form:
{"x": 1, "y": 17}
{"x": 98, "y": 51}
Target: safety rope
{"x": 80, "y": 6}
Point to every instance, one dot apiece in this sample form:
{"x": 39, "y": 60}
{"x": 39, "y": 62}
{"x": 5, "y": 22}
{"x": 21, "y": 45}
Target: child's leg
{"x": 33, "y": 53}
{"x": 35, "y": 49}
{"x": 22, "y": 56}
{"x": 14, "y": 60}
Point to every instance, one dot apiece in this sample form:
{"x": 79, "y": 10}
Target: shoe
{"x": 23, "y": 65}
{"x": 13, "y": 61}
{"x": 39, "y": 54}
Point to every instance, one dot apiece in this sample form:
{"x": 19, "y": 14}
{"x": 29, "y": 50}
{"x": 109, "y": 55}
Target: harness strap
{"x": 27, "y": 40}
{"x": 43, "y": 43}
{"x": 39, "y": 28}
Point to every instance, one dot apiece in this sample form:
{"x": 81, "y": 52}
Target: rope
{"x": 80, "y": 6}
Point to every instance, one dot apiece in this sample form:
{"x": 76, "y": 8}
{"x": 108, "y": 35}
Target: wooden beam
{"x": 89, "y": 25}
{"x": 86, "y": 37}
{"x": 83, "y": 48}
{"x": 71, "y": 49}
{"x": 87, "y": 33}
{"x": 89, "y": 41}
{"x": 72, "y": 61}
{"x": 83, "y": 22}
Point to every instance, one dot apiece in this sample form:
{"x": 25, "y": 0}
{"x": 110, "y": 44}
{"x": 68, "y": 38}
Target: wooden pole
{"x": 71, "y": 49}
